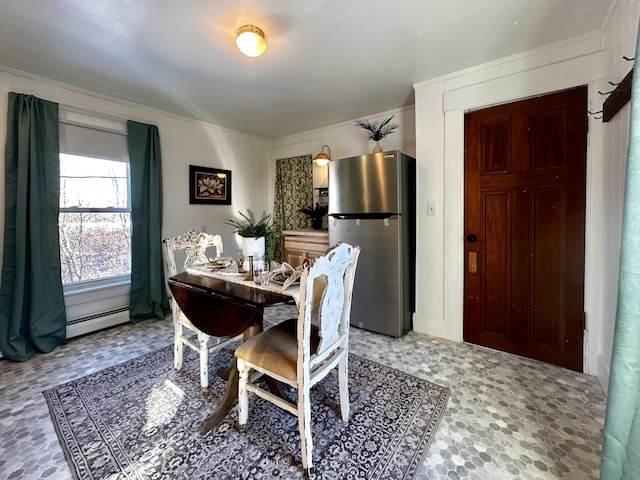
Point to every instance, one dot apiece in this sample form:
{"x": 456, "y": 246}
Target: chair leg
{"x": 304, "y": 426}
{"x": 203, "y": 343}
{"x": 343, "y": 382}
{"x": 178, "y": 346}
{"x": 243, "y": 395}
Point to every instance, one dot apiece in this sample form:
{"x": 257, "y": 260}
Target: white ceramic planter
{"x": 253, "y": 246}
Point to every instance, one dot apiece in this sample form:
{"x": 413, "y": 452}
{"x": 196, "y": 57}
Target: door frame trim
{"x": 585, "y": 70}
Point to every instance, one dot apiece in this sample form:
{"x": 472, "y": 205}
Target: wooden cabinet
{"x": 304, "y": 243}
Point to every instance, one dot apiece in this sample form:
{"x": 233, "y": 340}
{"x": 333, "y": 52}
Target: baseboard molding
{"x": 434, "y": 326}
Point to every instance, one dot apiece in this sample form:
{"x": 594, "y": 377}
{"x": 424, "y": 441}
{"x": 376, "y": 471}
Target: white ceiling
{"x": 327, "y": 61}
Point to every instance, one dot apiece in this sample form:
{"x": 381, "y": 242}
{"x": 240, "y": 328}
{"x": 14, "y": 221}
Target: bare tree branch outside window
{"x": 94, "y": 220}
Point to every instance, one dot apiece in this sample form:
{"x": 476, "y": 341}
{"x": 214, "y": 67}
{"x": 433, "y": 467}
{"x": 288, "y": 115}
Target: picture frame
{"x": 210, "y": 186}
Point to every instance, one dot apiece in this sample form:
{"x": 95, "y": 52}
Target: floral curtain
{"x": 293, "y": 190}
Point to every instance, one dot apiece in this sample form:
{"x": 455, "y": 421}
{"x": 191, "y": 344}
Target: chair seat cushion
{"x": 276, "y": 349}
{"x": 182, "y": 318}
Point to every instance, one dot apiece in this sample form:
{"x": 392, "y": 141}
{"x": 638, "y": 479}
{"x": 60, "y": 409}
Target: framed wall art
{"x": 209, "y": 186}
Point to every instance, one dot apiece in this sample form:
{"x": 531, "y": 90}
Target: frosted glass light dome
{"x": 250, "y": 41}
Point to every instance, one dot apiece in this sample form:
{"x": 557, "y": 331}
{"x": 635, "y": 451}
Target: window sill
{"x": 96, "y": 285}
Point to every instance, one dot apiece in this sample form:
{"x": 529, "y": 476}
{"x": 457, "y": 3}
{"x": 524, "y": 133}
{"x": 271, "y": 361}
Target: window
{"x": 95, "y": 207}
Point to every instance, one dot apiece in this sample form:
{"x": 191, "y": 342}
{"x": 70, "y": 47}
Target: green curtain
{"x": 621, "y": 447}
{"x": 293, "y": 190}
{"x": 148, "y": 294}
{"x": 32, "y": 311}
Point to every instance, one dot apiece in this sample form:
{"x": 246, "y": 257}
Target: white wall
{"x": 432, "y": 131}
{"x": 183, "y": 142}
{"x": 440, "y": 107}
{"x": 619, "y": 40}
{"x": 347, "y": 140}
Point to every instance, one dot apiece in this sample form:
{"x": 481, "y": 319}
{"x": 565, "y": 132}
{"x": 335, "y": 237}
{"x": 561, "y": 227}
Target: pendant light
{"x": 323, "y": 159}
{"x": 250, "y": 41}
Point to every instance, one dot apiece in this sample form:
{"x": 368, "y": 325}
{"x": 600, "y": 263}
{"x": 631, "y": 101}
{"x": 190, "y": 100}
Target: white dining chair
{"x": 194, "y": 244}
{"x": 301, "y": 352}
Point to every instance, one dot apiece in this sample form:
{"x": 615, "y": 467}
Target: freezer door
{"x": 379, "y": 302}
{"x": 365, "y": 184}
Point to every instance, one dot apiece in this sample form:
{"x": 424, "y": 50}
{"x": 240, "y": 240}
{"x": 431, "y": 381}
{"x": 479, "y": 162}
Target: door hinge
{"x": 584, "y": 321}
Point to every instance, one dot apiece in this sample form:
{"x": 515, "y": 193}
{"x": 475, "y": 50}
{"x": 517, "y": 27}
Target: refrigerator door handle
{"x": 362, "y": 216}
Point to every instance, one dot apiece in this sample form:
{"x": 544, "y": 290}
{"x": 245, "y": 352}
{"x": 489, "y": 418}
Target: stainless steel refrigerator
{"x": 372, "y": 204}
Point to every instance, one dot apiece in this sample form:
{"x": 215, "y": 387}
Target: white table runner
{"x": 292, "y": 290}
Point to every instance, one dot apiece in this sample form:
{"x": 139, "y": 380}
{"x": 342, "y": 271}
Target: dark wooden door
{"x": 525, "y": 168}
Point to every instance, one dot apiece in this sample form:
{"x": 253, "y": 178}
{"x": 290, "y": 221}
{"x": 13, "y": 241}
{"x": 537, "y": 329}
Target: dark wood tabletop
{"x": 221, "y": 308}
{"x": 224, "y": 309}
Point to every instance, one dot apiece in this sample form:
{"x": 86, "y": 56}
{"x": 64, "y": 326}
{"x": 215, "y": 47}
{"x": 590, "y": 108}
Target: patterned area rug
{"x": 140, "y": 419}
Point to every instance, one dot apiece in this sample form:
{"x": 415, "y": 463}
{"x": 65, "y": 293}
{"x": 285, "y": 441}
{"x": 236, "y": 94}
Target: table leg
{"x": 230, "y": 396}
{"x": 223, "y": 373}
{"x": 275, "y": 387}
{"x": 227, "y": 402}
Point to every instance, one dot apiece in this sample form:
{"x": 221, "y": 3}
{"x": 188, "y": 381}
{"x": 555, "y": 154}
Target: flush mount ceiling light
{"x": 323, "y": 159}
{"x": 250, "y": 41}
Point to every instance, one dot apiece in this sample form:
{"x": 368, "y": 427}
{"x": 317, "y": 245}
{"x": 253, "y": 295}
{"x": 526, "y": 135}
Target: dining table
{"x": 226, "y": 306}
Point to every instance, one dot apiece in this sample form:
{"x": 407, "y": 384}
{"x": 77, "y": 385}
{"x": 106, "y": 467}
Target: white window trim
{"x": 95, "y": 120}
{"x": 103, "y": 302}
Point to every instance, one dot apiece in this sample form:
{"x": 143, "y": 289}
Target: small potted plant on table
{"x": 258, "y": 234}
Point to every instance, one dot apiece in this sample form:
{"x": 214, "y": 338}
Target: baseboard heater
{"x": 99, "y": 321}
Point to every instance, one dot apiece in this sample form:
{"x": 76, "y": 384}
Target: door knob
{"x": 471, "y": 238}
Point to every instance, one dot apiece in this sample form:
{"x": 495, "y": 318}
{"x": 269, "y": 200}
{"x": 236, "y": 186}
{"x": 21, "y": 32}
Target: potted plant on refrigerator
{"x": 258, "y": 234}
{"x": 377, "y": 131}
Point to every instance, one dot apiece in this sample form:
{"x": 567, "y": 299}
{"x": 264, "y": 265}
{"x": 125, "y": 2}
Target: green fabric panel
{"x": 148, "y": 294}
{"x": 32, "y": 311}
{"x": 621, "y": 447}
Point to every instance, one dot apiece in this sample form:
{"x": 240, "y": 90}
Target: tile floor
{"x": 507, "y": 417}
